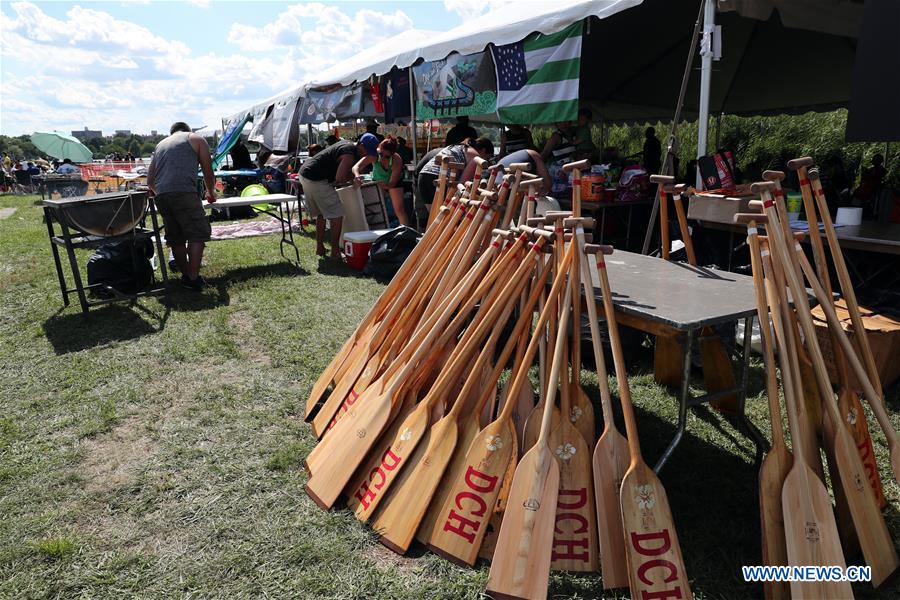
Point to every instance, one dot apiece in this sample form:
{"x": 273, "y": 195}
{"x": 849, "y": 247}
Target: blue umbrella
{"x": 61, "y": 146}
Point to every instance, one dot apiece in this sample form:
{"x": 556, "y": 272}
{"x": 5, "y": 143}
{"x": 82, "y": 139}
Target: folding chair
{"x": 23, "y": 185}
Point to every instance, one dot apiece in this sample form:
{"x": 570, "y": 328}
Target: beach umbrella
{"x": 59, "y": 145}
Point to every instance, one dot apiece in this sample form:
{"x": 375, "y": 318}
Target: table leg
{"x": 73, "y": 263}
{"x": 602, "y": 222}
{"x": 163, "y": 259}
{"x": 759, "y": 441}
{"x": 730, "y": 248}
{"x": 282, "y": 209}
{"x": 59, "y": 272}
{"x": 628, "y": 228}
{"x": 682, "y": 401}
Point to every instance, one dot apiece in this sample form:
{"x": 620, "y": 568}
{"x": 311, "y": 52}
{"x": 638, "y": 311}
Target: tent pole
{"x": 309, "y": 134}
{"x": 672, "y": 149}
{"x": 706, "y": 56}
{"x": 412, "y": 125}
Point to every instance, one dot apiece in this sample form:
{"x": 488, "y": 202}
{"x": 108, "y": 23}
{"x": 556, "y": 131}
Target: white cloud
{"x": 200, "y": 3}
{"x": 90, "y": 68}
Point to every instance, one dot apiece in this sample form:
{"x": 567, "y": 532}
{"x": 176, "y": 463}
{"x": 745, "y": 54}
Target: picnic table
{"x": 653, "y": 295}
{"x": 284, "y": 212}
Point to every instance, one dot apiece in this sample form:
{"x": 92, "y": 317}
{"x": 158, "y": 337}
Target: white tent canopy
{"x": 634, "y": 52}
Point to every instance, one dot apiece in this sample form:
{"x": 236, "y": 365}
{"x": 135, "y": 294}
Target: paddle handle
{"x": 778, "y": 301}
{"x": 599, "y": 358}
{"x": 634, "y": 444}
{"x": 503, "y": 305}
{"x": 765, "y": 327}
{"x": 798, "y": 292}
{"x": 847, "y": 290}
{"x": 522, "y": 370}
{"x": 556, "y": 366}
{"x": 815, "y": 239}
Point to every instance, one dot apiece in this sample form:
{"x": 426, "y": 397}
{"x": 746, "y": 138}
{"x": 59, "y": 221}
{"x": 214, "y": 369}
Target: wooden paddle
{"x": 610, "y": 457}
{"x": 411, "y": 269}
{"x": 811, "y": 536}
{"x": 348, "y": 443}
{"x": 874, "y": 538}
{"x": 582, "y": 413}
{"x": 521, "y": 565}
{"x": 470, "y": 503}
{"x": 440, "y": 192}
{"x": 363, "y": 359}
{"x": 375, "y": 478}
{"x": 778, "y": 460}
{"x": 809, "y": 408}
{"x": 860, "y": 336}
{"x": 408, "y": 499}
{"x": 655, "y": 566}
{"x": 468, "y": 420}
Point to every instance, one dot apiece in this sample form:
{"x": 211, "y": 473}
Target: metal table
{"x": 284, "y": 214}
{"x": 652, "y": 294}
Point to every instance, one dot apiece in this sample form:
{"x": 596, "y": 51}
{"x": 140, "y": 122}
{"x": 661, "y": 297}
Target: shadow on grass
{"x": 72, "y": 332}
{"x": 338, "y": 268}
{"x": 239, "y": 274}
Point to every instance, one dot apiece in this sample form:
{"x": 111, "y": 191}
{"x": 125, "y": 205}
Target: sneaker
{"x": 196, "y": 285}
{"x": 173, "y": 266}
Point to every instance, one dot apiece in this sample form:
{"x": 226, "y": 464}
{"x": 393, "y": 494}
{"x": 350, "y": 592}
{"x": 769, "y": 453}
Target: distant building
{"x": 153, "y": 132}
{"x": 123, "y": 132}
{"x": 87, "y": 134}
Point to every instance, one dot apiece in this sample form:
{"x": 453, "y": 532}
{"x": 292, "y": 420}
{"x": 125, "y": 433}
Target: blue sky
{"x": 140, "y": 65}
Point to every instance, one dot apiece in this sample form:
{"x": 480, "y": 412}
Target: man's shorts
{"x": 184, "y": 217}
{"x": 321, "y": 199}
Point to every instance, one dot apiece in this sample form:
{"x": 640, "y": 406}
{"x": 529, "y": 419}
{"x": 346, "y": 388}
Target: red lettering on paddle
{"x": 460, "y": 527}
{"x": 478, "y": 500}
{"x": 656, "y": 544}
{"x": 478, "y": 481}
{"x": 349, "y": 401}
{"x": 662, "y": 536}
{"x": 574, "y": 550}
{"x": 376, "y": 480}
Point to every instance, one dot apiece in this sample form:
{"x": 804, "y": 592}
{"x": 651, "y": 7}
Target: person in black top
{"x": 240, "y": 157}
{"x": 652, "y": 152}
{"x": 460, "y": 132}
{"x": 427, "y": 172}
{"x": 514, "y": 138}
{"x": 320, "y": 174}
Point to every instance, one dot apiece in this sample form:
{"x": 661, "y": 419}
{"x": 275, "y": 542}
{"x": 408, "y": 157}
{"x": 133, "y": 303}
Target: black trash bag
{"x": 390, "y": 250}
{"x": 123, "y": 265}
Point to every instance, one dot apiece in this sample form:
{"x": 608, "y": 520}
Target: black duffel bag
{"x": 390, "y": 250}
{"x": 123, "y": 265}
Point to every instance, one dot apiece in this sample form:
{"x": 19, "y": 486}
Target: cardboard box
{"x": 719, "y": 208}
{"x": 884, "y": 338}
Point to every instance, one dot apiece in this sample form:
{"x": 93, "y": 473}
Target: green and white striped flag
{"x": 537, "y": 78}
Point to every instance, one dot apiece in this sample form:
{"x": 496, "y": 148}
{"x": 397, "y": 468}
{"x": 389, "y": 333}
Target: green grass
{"x": 156, "y": 451}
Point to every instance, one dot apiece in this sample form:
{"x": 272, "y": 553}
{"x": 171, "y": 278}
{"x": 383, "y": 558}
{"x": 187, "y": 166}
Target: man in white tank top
{"x": 172, "y": 178}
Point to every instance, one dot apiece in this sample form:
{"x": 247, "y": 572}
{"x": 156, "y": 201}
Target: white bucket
{"x": 849, "y": 216}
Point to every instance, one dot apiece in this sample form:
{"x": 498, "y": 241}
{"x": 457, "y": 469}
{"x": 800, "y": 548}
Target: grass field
{"x": 156, "y": 452}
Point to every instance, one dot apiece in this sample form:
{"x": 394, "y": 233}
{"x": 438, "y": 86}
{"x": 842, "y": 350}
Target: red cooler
{"x": 357, "y": 245}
